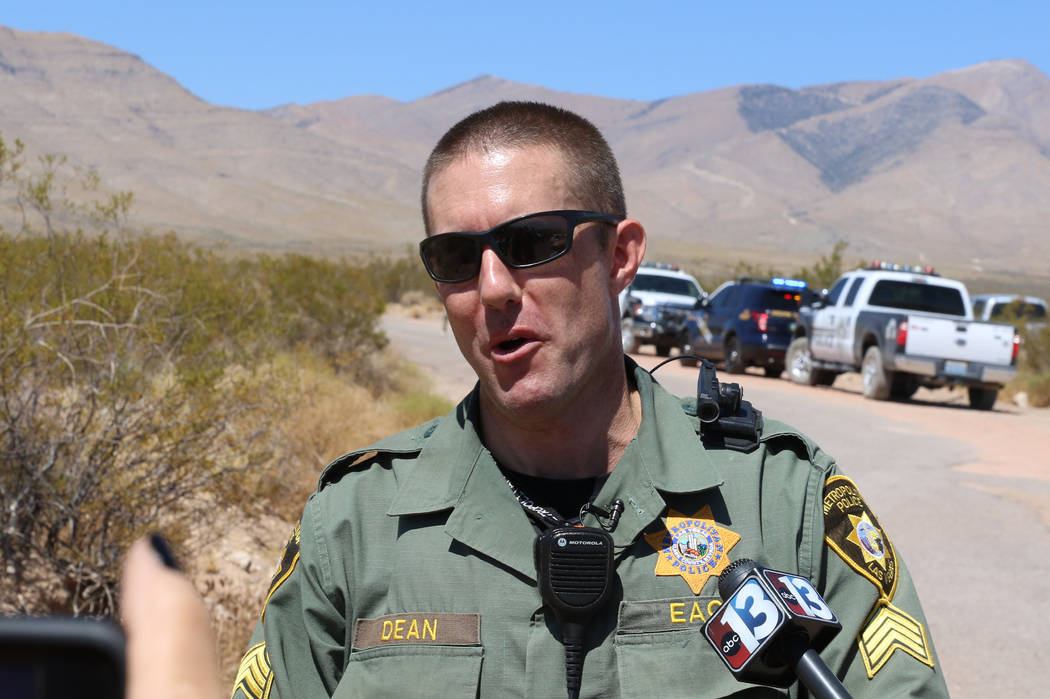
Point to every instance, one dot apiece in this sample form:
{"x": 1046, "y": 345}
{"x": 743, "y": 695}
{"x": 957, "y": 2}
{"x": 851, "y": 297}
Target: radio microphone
{"x": 771, "y": 629}
{"x": 574, "y": 569}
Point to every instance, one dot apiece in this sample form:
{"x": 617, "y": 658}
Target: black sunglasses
{"x": 526, "y": 241}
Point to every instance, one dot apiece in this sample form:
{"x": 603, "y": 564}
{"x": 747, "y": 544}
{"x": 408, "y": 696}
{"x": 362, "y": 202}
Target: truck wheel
{"x": 663, "y": 350}
{"x": 630, "y": 342}
{"x": 734, "y": 362}
{"x": 876, "y": 379}
{"x": 800, "y": 363}
{"x": 983, "y": 398}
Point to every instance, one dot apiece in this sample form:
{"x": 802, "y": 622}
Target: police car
{"x": 902, "y": 327}
{"x": 653, "y": 307}
{"x": 1029, "y": 310}
{"x": 748, "y": 322}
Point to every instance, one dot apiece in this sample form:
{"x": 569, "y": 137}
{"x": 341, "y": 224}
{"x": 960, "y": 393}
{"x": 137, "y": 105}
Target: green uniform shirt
{"x": 411, "y": 572}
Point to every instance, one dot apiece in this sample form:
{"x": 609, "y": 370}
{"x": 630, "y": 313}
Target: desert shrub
{"x": 328, "y": 307}
{"x": 1034, "y": 356}
{"x": 826, "y": 270}
{"x": 1033, "y": 362}
{"x": 136, "y": 379}
{"x": 397, "y": 277}
{"x": 134, "y": 373}
{"x": 115, "y": 405}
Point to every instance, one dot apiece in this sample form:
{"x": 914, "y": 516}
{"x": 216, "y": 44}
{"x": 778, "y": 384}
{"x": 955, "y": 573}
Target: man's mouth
{"x": 511, "y": 344}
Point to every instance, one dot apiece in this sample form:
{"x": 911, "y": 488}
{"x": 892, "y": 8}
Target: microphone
{"x": 771, "y": 629}
{"x": 576, "y": 577}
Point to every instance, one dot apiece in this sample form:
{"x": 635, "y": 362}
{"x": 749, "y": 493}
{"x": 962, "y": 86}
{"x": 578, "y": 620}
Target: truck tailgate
{"x": 962, "y": 340}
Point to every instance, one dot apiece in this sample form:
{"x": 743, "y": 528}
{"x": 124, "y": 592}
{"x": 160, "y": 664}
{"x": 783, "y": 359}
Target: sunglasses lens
{"x": 533, "y": 240}
{"x": 526, "y": 242}
{"x": 452, "y": 258}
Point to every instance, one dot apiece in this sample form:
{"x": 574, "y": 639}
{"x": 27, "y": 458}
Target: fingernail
{"x": 160, "y": 545}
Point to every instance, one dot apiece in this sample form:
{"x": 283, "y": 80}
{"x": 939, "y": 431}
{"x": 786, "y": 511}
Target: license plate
{"x": 956, "y": 368}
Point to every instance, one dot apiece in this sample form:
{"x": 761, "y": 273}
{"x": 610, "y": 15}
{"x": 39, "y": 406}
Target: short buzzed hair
{"x": 595, "y": 176}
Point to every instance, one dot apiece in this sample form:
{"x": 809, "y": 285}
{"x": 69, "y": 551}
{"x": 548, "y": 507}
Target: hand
{"x": 171, "y": 649}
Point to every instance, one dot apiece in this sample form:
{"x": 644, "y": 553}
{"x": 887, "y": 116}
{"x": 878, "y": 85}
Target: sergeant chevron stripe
{"x": 888, "y": 630}
{"x": 254, "y": 678}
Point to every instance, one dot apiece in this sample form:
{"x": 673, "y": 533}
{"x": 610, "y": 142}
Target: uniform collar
{"x": 447, "y": 457}
{"x": 668, "y": 440}
{"x": 455, "y": 471}
{"x": 665, "y": 457}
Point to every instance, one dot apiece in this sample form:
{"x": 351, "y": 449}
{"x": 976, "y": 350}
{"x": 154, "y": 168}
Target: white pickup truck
{"x": 902, "y": 328}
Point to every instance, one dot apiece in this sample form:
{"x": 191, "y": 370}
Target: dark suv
{"x": 745, "y": 323}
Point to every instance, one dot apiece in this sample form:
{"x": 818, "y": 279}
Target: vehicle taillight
{"x": 902, "y": 333}
{"x": 1016, "y": 350}
{"x": 762, "y": 321}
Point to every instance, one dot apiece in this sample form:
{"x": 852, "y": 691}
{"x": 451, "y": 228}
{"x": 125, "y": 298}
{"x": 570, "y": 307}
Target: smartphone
{"x": 50, "y": 657}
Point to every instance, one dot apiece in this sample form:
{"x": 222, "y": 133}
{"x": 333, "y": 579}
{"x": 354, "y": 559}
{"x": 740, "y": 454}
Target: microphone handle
{"x": 820, "y": 681}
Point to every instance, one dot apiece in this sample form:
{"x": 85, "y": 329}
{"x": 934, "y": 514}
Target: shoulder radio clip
{"x": 726, "y": 419}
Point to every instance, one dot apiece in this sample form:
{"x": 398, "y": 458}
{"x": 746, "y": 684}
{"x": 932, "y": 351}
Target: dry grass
{"x": 234, "y": 553}
{"x": 417, "y": 304}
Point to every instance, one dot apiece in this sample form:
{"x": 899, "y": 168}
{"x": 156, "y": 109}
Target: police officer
{"x": 411, "y": 572}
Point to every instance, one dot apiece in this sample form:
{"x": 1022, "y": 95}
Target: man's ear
{"x": 628, "y": 249}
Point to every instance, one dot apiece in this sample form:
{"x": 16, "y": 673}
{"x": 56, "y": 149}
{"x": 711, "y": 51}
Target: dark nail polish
{"x": 160, "y": 545}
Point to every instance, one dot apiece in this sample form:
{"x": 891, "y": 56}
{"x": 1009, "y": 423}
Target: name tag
{"x": 407, "y": 629}
{"x": 665, "y": 614}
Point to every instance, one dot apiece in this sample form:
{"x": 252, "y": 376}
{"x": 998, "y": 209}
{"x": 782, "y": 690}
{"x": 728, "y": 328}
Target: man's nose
{"x": 496, "y": 283}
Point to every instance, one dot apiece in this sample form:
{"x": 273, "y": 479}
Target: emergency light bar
{"x": 914, "y": 269}
{"x": 789, "y": 283}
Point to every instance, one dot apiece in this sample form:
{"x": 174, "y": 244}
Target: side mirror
{"x": 701, "y": 302}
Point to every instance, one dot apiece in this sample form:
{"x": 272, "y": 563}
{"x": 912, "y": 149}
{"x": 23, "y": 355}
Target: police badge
{"x": 694, "y": 547}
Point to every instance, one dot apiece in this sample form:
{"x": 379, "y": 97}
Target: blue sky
{"x": 260, "y": 54}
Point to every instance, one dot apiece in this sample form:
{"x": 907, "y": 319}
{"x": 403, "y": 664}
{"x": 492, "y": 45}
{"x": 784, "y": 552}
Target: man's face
{"x": 539, "y": 337}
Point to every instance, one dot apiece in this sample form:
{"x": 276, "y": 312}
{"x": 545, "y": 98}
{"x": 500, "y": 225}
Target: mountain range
{"x": 951, "y": 170}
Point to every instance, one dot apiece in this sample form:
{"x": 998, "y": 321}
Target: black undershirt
{"x": 563, "y": 495}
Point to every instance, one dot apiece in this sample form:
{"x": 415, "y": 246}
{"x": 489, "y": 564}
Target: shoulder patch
{"x": 285, "y": 566}
{"x": 254, "y": 676}
{"x": 852, "y": 530}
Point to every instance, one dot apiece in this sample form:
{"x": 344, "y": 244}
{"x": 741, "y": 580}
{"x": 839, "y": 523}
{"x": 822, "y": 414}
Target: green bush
{"x": 824, "y": 272}
{"x": 127, "y": 371}
{"x": 134, "y": 374}
{"x": 398, "y": 276}
{"x": 1033, "y": 364}
{"x": 108, "y": 416}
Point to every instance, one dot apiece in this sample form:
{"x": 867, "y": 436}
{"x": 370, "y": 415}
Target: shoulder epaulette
{"x": 775, "y": 431}
{"x": 403, "y": 443}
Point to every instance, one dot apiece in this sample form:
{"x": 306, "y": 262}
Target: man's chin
{"x": 525, "y": 397}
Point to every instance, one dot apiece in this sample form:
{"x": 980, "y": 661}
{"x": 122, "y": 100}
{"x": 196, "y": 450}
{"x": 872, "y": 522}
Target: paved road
{"x": 964, "y": 495}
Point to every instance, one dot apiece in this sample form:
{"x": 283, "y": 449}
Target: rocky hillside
{"x": 952, "y": 170}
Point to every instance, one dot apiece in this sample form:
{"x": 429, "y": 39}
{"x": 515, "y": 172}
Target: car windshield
{"x": 665, "y": 285}
{"x": 916, "y": 296}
